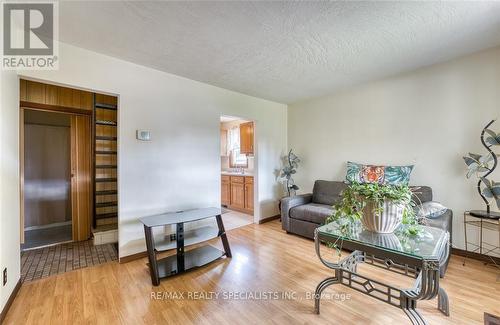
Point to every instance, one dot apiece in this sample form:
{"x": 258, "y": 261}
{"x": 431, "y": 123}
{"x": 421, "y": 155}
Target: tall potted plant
{"x": 291, "y": 163}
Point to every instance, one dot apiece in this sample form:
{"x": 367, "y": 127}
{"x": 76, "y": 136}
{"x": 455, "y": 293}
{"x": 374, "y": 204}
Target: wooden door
{"x": 246, "y": 138}
{"x": 225, "y": 191}
{"x": 238, "y": 195}
{"x": 81, "y": 181}
{"x": 249, "y": 197}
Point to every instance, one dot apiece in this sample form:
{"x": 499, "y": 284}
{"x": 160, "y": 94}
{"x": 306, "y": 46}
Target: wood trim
{"x": 133, "y": 257}
{"x": 55, "y": 108}
{"x": 81, "y": 183}
{"x": 475, "y": 256}
{"x": 10, "y": 301}
{"x": 261, "y": 221}
{"x": 21, "y": 174}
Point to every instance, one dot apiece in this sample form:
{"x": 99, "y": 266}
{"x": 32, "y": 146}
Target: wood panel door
{"x": 238, "y": 195}
{"x": 81, "y": 176}
{"x": 225, "y": 191}
{"x": 246, "y": 138}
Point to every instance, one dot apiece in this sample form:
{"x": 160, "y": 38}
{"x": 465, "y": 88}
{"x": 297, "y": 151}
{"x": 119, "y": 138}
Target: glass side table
{"x": 484, "y": 221}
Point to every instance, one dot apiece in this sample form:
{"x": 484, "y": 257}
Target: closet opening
{"x": 47, "y": 179}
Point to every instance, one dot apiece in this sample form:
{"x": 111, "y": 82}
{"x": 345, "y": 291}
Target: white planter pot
{"x": 383, "y": 223}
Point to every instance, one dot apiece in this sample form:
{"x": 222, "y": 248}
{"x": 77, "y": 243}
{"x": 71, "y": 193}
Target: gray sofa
{"x": 301, "y": 214}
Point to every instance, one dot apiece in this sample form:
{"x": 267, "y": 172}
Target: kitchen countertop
{"x": 236, "y": 174}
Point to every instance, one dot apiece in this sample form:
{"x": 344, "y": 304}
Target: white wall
{"x": 180, "y": 167}
{"x": 430, "y": 117}
{"x": 9, "y": 183}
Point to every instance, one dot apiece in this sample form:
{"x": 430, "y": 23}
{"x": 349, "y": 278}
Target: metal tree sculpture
{"x": 478, "y": 164}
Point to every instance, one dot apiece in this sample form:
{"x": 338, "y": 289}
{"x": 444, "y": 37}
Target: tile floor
{"x": 47, "y": 261}
{"x": 234, "y": 219}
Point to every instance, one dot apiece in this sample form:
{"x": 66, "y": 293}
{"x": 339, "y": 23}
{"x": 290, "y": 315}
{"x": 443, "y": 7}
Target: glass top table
{"x": 427, "y": 244}
{"x": 420, "y": 256}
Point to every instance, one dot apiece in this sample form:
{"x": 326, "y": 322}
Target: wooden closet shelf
{"x": 106, "y": 166}
{"x": 105, "y": 122}
{"x": 108, "y": 192}
{"x": 106, "y": 204}
{"x": 106, "y": 215}
{"x": 106, "y": 106}
{"x": 106, "y": 152}
{"x": 105, "y": 180}
{"x": 103, "y": 137}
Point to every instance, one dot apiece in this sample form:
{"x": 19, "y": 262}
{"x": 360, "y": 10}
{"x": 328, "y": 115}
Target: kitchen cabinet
{"x": 249, "y": 193}
{"x": 237, "y": 193}
{"x": 225, "y": 190}
{"x": 246, "y": 138}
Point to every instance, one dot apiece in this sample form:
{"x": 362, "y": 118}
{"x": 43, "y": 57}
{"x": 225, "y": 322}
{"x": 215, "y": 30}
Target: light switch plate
{"x": 143, "y": 135}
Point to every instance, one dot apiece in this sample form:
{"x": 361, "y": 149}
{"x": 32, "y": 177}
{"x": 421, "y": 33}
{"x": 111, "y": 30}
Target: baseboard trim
{"x": 133, "y": 257}
{"x": 475, "y": 256}
{"x": 261, "y": 221}
{"x": 12, "y": 296}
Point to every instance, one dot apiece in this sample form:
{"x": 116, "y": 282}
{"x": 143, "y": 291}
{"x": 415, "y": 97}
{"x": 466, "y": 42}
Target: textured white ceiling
{"x": 283, "y": 51}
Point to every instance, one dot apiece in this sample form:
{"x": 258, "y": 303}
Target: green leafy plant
{"x": 349, "y": 211}
{"x": 355, "y": 197}
{"x": 291, "y": 163}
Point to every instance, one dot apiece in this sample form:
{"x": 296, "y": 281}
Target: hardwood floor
{"x": 264, "y": 259}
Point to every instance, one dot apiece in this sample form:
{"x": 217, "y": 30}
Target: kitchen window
{"x": 236, "y": 159}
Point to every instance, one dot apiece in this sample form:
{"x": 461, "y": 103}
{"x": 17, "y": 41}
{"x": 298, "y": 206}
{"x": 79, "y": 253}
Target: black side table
{"x": 184, "y": 259}
{"x": 483, "y": 220}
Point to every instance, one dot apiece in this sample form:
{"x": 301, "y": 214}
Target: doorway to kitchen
{"x": 237, "y": 171}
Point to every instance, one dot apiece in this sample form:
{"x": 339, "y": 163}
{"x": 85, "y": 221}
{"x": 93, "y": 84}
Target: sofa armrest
{"x": 288, "y": 203}
{"x": 445, "y": 222}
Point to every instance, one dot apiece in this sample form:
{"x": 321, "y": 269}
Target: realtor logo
{"x": 29, "y": 31}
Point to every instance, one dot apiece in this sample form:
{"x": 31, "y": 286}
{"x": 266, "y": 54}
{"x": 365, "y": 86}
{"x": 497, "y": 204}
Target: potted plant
{"x": 291, "y": 163}
{"x": 380, "y": 208}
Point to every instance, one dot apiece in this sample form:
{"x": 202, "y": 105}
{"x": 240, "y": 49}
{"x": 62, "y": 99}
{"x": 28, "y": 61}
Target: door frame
{"x": 80, "y": 222}
{"x": 256, "y": 204}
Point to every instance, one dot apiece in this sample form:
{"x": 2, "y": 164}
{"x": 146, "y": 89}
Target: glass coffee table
{"x": 419, "y": 256}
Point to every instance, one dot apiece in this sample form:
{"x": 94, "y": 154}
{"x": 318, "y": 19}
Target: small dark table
{"x": 419, "y": 257}
{"x": 183, "y": 260}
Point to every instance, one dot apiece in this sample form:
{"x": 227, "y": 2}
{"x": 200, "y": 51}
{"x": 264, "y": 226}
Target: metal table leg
{"x": 153, "y": 265}
{"x": 179, "y": 235}
{"x": 223, "y": 236}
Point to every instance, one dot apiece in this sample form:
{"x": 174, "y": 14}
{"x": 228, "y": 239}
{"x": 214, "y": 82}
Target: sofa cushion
{"x": 389, "y": 175}
{"x": 327, "y": 192}
{"x": 430, "y": 210}
{"x": 312, "y": 212}
{"x": 421, "y": 194}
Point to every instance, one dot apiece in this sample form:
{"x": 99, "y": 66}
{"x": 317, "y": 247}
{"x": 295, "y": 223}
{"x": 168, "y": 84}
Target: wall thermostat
{"x": 143, "y": 135}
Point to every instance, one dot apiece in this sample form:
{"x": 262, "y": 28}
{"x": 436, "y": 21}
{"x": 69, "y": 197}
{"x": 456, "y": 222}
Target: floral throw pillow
{"x": 389, "y": 175}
